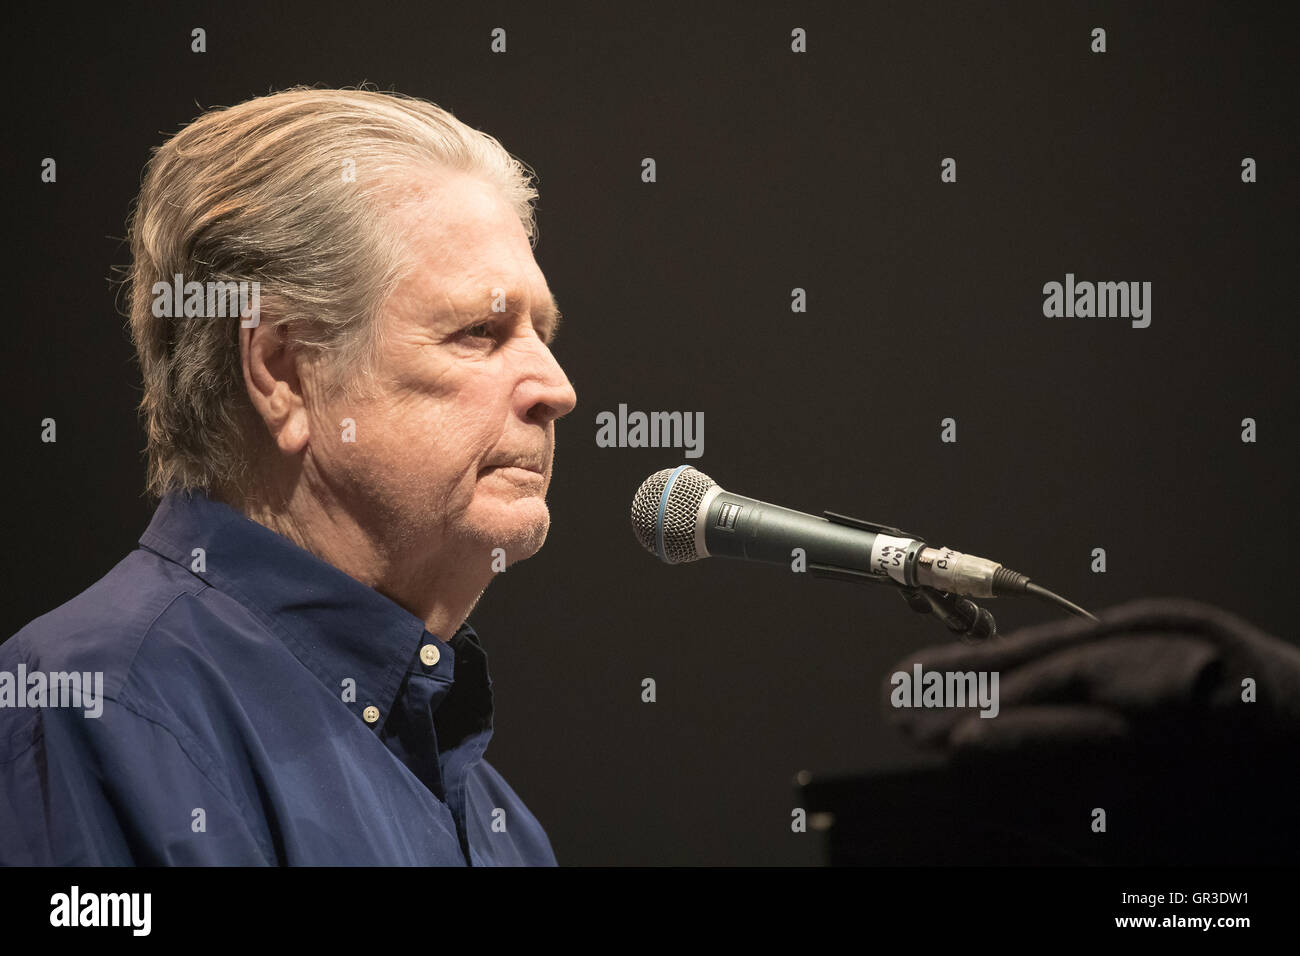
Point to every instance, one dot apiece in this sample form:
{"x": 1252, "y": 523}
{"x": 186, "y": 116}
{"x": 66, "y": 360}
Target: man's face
{"x": 454, "y": 445}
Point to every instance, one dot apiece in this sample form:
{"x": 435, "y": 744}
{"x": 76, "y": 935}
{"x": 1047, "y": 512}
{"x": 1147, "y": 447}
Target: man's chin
{"x": 519, "y": 528}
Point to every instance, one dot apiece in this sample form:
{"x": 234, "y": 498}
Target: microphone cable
{"x": 1040, "y": 592}
{"x": 1006, "y": 581}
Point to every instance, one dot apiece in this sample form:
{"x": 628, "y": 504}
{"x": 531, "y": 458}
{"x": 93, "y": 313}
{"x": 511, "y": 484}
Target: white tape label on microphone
{"x": 888, "y": 555}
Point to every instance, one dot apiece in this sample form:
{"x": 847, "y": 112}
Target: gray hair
{"x": 287, "y": 190}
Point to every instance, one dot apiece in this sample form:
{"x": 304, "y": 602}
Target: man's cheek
{"x": 422, "y": 426}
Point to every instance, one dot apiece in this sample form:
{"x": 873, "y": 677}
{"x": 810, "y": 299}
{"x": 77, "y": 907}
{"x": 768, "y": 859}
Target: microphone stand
{"x": 959, "y": 614}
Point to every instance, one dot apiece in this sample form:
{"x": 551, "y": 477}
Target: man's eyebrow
{"x": 549, "y": 313}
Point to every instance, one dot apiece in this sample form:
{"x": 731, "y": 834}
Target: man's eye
{"x": 480, "y": 330}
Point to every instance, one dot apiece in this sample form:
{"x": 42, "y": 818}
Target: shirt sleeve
{"x": 503, "y": 829}
{"x": 116, "y": 789}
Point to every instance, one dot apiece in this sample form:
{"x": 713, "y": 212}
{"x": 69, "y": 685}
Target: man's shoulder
{"x": 152, "y": 634}
{"x": 103, "y": 629}
{"x": 151, "y": 639}
{"x": 102, "y": 704}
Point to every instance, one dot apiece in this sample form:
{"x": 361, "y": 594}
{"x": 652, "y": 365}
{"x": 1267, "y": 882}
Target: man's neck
{"x": 435, "y": 583}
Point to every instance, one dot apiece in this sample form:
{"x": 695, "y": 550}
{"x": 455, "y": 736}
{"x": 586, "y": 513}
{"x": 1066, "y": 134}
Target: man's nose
{"x": 547, "y": 394}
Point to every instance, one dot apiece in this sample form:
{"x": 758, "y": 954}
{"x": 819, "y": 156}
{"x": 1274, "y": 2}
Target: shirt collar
{"x": 337, "y": 627}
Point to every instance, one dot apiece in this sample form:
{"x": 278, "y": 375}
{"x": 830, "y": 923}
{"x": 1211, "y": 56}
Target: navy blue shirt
{"x": 259, "y": 706}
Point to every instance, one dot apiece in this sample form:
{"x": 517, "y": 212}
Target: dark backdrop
{"x": 775, "y": 170}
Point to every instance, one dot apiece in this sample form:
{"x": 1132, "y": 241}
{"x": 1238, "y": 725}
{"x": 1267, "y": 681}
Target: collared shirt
{"x": 256, "y": 706}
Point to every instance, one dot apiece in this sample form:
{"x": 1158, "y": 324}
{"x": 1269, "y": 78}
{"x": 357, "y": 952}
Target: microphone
{"x": 680, "y": 515}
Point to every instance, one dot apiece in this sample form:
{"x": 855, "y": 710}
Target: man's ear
{"x": 274, "y": 385}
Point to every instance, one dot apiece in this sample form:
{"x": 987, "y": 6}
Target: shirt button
{"x": 429, "y": 654}
{"x": 371, "y": 714}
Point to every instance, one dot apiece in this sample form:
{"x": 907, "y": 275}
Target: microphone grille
{"x": 672, "y": 537}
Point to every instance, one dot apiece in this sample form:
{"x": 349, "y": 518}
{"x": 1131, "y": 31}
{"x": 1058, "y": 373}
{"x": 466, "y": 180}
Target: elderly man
{"x": 343, "y": 464}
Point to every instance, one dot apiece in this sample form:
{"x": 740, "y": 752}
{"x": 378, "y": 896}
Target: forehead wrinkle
{"x": 451, "y": 260}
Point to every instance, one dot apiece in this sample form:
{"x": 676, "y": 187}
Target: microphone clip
{"x": 862, "y": 525}
{"x": 961, "y": 615}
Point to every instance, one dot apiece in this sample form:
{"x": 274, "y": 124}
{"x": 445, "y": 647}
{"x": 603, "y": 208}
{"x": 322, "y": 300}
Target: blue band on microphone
{"x": 663, "y": 507}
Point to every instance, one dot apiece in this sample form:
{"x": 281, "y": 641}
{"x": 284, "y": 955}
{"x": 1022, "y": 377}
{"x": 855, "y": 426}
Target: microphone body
{"x": 681, "y": 515}
{"x": 735, "y": 526}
